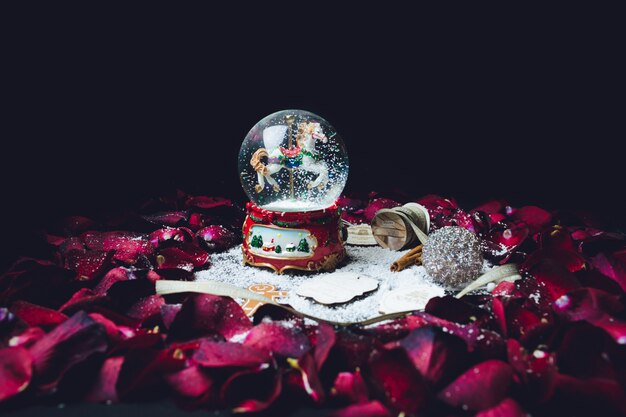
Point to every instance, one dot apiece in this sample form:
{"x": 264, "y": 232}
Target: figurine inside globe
{"x": 293, "y": 160}
{"x": 293, "y": 166}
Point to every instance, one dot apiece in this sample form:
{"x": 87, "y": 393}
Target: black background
{"x": 105, "y": 108}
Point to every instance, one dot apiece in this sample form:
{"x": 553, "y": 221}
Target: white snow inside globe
{"x": 293, "y": 160}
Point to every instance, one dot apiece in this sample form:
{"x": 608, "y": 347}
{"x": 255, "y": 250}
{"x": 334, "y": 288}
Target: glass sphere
{"x": 293, "y": 160}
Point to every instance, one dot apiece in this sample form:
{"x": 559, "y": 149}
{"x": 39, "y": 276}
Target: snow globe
{"x": 293, "y": 166}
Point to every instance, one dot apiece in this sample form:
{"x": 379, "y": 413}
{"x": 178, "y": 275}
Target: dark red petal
{"x": 370, "y": 409}
{"x": 435, "y": 200}
{"x": 36, "y": 281}
{"x": 570, "y": 260}
{"x": 196, "y": 221}
{"x": 72, "y": 244}
{"x": 481, "y": 387}
{"x": 593, "y": 396}
{"x": 305, "y": 378}
{"x": 204, "y": 314}
{"x": 191, "y": 382}
{"x": 170, "y": 234}
{"x": 507, "y": 408}
{"x": 27, "y": 338}
{"x": 505, "y": 237}
{"x": 536, "y": 218}
{"x": 75, "y": 225}
{"x": 15, "y": 371}
{"x": 594, "y": 306}
{"x": 251, "y": 390}
{"x": 377, "y": 204}
{"x": 114, "y": 332}
{"x": 536, "y": 372}
{"x": 35, "y": 315}
{"x": 104, "y": 389}
{"x": 505, "y": 288}
{"x": 221, "y": 354}
{"x": 143, "y": 369}
{"x": 185, "y": 257}
{"x": 437, "y": 355}
{"x": 281, "y": 338}
{"x": 611, "y": 267}
{"x": 127, "y": 246}
{"x": 322, "y": 337}
{"x": 216, "y": 238}
{"x": 146, "y": 307}
{"x": 169, "y": 312}
{"x": 167, "y": 218}
{"x": 114, "y": 275}
{"x": 454, "y": 309}
{"x": 88, "y": 265}
{"x": 79, "y": 300}
{"x": 350, "y": 387}
{"x": 554, "y": 277}
{"x": 67, "y": 345}
{"x": 392, "y": 373}
{"x": 204, "y": 202}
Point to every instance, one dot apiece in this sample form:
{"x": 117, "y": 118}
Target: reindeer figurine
{"x": 302, "y": 156}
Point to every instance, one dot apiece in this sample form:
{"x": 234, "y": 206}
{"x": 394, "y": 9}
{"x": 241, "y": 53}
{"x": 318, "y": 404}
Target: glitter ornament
{"x": 452, "y": 256}
{"x": 293, "y": 166}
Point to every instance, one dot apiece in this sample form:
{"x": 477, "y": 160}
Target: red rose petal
{"x": 114, "y": 275}
{"x": 504, "y": 238}
{"x": 216, "y": 238}
{"x": 204, "y": 314}
{"x": 143, "y": 369}
{"x": 204, "y": 202}
{"x": 127, "y": 246}
{"x": 167, "y": 218}
{"x": 281, "y": 338}
{"x": 67, "y": 345}
{"x": 350, "y": 387}
{"x": 170, "y": 234}
{"x": 536, "y": 218}
{"x": 88, "y": 265}
{"x": 394, "y": 375}
{"x": 251, "y": 390}
{"x": 554, "y": 277}
{"x": 571, "y": 260}
{"x": 481, "y": 387}
{"x": 593, "y": 396}
{"x": 146, "y": 307}
{"x": 322, "y": 337}
{"x": 36, "y": 281}
{"x": 507, "y": 408}
{"x": 611, "y": 267}
{"x": 27, "y": 338}
{"x": 438, "y": 356}
{"x": 307, "y": 379}
{"x": 536, "y": 372}
{"x": 15, "y": 371}
{"x": 104, "y": 389}
{"x": 370, "y": 409}
{"x": 191, "y": 382}
{"x": 377, "y": 204}
{"x": 35, "y": 315}
{"x": 221, "y": 354}
{"x": 185, "y": 257}
{"x": 593, "y": 306}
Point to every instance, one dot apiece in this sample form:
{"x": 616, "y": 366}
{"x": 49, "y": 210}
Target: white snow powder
{"x": 372, "y": 261}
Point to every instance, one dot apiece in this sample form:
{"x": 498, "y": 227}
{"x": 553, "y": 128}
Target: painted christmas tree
{"x": 257, "y": 241}
{"x": 303, "y": 246}
{"x": 278, "y": 249}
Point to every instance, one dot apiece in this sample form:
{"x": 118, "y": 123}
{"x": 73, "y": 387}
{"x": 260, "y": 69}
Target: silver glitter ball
{"x": 452, "y": 256}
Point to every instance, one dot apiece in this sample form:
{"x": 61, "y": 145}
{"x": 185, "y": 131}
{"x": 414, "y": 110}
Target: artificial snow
{"x": 372, "y": 261}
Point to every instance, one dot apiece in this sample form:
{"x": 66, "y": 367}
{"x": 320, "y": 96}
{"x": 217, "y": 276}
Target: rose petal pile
{"x": 86, "y": 325}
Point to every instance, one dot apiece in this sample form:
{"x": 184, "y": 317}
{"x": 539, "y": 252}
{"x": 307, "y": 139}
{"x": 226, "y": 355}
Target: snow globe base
{"x": 301, "y": 240}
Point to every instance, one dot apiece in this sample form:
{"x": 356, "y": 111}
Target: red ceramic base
{"x": 310, "y": 240}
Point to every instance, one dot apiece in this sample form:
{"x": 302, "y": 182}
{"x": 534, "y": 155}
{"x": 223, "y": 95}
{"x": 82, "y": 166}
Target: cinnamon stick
{"x": 412, "y": 257}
